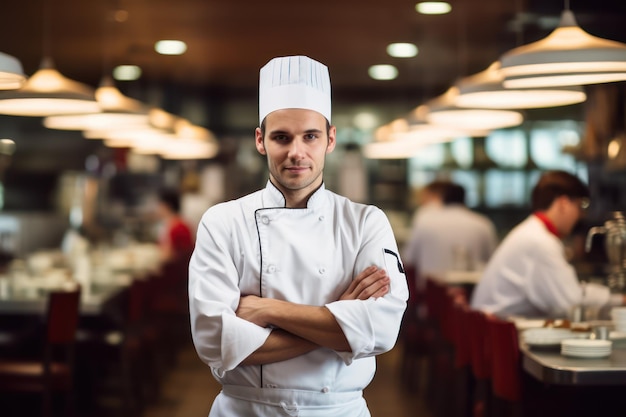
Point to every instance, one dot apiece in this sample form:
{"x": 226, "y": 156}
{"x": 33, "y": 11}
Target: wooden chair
{"x": 53, "y": 372}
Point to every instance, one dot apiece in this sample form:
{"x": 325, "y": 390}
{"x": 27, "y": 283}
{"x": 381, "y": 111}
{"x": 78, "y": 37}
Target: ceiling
{"x": 228, "y": 42}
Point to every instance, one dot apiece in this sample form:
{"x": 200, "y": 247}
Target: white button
{"x": 322, "y": 271}
{"x": 271, "y": 268}
{"x": 265, "y": 220}
{"x": 321, "y": 218}
{"x": 325, "y": 390}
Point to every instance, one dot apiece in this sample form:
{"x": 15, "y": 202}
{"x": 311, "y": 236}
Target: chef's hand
{"x": 372, "y": 282}
{"x": 251, "y": 308}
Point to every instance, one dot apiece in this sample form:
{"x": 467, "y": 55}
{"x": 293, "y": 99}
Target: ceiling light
{"x": 126, "y": 72}
{"x": 443, "y": 111}
{"x": 170, "y": 47}
{"x": 383, "y": 72}
{"x": 433, "y": 7}
{"x": 118, "y": 111}
{"x": 392, "y": 149}
{"x": 567, "y": 56}
{"x": 11, "y": 73}
{"x": 47, "y": 92}
{"x": 485, "y": 90}
{"x": 402, "y": 50}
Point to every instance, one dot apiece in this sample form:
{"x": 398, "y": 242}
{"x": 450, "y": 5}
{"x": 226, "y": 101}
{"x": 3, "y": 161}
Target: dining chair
{"x": 506, "y": 374}
{"x": 118, "y": 358}
{"x": 417, "y": 335}
{"x": 480, "y": 363}
{"x": 53, "y": 371}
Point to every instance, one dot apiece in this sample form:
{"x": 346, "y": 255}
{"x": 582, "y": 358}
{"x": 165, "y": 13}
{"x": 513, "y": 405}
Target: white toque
{"x": 294, "y": 82}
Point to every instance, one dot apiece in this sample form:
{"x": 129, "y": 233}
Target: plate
{"x": 586, "y": 354}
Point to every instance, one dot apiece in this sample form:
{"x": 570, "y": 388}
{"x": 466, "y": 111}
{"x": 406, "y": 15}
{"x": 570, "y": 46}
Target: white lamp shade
{"x": 486, "y": 91}
{"x": 443, "y": 111}
{"x": 11, "y": 73}
{"x": 568, "y": 56}
{"x": 46, "y": 93}
{"x": 97, "y": 121}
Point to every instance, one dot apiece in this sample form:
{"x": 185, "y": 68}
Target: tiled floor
{"x": 189, "y": 389}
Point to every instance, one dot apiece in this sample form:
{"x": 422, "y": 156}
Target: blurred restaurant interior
{"x": 143, "y": 120}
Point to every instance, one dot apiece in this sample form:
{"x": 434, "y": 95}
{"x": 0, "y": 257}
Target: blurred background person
{"x": 529, "y": 274}
{"x": 175, "y": 236}
{"x": 447, "y": 235}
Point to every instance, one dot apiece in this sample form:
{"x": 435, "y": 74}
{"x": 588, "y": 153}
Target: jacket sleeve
{"x": 553, "y": 284}
{"x": 221, "y": 339}
{"x": 371, "y": 326}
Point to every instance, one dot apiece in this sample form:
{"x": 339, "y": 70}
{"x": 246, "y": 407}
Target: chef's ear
{"x": 258, "y": 141}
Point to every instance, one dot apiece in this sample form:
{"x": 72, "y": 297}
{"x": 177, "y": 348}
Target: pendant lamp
{"x": 47, "y": 92}
{"x": 567, "y": 56}
{"x": 11, "y": 73}
{"x": 118, "y": 111}
{"x": 444, "y": 111}
{"x": 485, "y": 90}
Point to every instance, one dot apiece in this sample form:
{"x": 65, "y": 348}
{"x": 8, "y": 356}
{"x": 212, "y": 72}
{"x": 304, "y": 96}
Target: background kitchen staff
{"x": 294, "y": 289}
{"x": 528, "y": 275}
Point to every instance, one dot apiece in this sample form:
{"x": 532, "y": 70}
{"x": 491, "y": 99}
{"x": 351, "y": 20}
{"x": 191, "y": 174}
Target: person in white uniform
{"x": 448, "y": 236}
{"x": 529, "y": 275}
{"x": 293, "y": 289}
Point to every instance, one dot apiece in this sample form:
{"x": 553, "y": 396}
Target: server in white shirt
{"x": 448, "y": 236}
{"x": 529, "y": 274}
{"x": 293, "y": 289}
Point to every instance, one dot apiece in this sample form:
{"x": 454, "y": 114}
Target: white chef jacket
{"x": 255, "y": 245}
{"x": 528, "y": 275}
{"x": 440, "y": 231}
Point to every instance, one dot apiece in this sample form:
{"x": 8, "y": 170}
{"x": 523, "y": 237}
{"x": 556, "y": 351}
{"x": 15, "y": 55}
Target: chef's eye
{"x": 281, "y": 138}
{"x": 310, "y": 136}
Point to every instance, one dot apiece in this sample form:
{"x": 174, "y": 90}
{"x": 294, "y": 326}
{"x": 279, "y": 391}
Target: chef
{"x": 294, "y": 289}
{"x": 529, "y": 275}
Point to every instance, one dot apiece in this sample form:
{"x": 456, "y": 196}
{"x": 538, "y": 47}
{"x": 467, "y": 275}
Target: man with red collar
{"x": 529, "y": 275}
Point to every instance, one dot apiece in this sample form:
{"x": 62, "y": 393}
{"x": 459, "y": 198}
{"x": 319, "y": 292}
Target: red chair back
{"x": 62, "y": 316}
{"x": 480, "y": 345}
{"x": 462, "y": 339}
{"x": 506, "y": 370}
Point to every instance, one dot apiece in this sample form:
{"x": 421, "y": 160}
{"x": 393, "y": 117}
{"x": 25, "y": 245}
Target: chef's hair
{"x": 554, "y": 184}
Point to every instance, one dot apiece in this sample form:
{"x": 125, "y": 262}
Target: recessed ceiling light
{"x": 433, "y": 7}
{"x": 402, "y": 50}
{"x": 383, "y": 72}
{"x": 126, "y": 72}
{"x": 170, "y": 47}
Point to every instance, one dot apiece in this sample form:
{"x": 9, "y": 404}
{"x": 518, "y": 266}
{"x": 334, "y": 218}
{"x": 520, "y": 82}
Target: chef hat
{"x": 294, "y": 82}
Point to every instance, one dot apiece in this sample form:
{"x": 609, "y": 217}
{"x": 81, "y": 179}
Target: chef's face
{"x": 296, "y": 142}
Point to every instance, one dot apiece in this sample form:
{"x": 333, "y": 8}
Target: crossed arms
{"x": 298, "y": 328}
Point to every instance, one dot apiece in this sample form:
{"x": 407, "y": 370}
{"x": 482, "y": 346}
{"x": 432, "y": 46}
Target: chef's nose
{"x": 296, "y": 148}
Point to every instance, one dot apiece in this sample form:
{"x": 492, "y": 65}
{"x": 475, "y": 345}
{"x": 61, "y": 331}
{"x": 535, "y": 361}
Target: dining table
{"x": 561, "y": 384}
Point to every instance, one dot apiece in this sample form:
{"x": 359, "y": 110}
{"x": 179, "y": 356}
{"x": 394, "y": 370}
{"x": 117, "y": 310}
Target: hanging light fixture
{"x": 46, "y": 93}
{"x": 444, "y": 111}
{"x": 118, "y": 111}
{"x": 11, "y": 73}
{"x": 485, "y": 90}
{"x": 567, "y": 56}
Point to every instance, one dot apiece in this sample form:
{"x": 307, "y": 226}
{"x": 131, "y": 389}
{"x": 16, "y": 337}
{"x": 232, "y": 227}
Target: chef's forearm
{"x": 279, "y": 346}
{"x": 316, "y": 324}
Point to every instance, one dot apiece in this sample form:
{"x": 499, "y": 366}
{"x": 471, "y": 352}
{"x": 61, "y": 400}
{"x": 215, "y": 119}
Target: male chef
{"x": 294, "y": 289}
